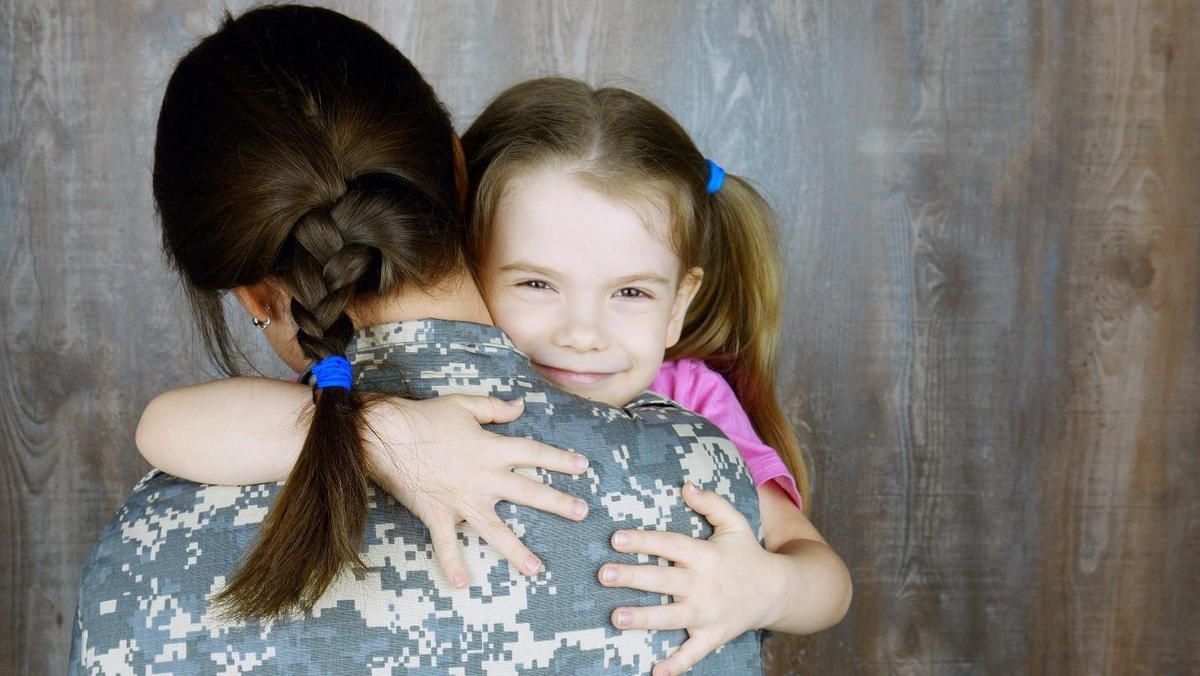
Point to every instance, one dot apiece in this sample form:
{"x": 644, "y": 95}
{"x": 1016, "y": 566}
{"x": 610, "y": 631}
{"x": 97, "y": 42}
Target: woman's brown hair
{"x": 297, "y": 145}
{"x": 626, "y": 147}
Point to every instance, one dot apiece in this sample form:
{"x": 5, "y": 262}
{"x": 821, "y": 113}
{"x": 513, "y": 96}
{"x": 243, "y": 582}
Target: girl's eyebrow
{"x": 522, "y": 266}
{"x": 649, "y": 277}
{"x": 530, "y": 268}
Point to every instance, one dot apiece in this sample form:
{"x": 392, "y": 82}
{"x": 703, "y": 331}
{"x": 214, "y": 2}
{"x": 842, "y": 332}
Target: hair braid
{"x": 325, "y": 274}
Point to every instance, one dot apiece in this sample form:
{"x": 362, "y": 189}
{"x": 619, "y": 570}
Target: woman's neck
{"x": 456, "y": 299}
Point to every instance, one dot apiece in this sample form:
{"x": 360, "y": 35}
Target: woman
{"x": 303, "y": 164}
{"x": 339, "y": 189}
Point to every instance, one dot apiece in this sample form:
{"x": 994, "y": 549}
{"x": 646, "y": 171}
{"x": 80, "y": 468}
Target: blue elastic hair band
{"x": 333, "y": 371}
{"x": 716, "y": 177}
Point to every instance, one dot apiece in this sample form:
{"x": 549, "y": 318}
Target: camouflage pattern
{"x": 143, "y": 599}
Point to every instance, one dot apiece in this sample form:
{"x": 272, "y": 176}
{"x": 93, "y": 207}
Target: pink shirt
{"x": 698, "y": 388}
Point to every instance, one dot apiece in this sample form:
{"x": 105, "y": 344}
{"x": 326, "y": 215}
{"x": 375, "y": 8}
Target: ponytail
{"x": 733, "y": 323}
{"x": 314, "y": 528}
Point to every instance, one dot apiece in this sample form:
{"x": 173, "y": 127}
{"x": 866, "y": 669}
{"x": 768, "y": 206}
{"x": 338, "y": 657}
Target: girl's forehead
{"x": 562, "y": 200}
{"x": 555, "y": 220}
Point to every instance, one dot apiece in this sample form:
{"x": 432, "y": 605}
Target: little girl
{"x": 603, "y": 240}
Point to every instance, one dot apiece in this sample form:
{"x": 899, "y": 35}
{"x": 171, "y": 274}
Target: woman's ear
{"x": 260, "y": 300}
{"x": 689, "y": 286}
{"x": 269, "y": 304}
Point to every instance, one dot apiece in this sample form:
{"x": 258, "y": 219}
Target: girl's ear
{"x": 689, "y": 286}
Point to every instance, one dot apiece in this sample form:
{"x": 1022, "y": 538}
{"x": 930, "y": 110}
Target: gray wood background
{"x": 991, "y": 212}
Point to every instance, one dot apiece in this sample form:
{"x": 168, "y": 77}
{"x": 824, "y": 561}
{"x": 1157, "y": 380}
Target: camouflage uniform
{"x": 143, "y": 599}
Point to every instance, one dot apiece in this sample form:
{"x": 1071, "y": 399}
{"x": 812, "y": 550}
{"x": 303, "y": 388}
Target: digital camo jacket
{"x": 143, "y": 598}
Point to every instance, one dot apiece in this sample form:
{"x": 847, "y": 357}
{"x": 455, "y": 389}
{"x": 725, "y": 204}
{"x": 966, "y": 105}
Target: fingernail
{"x": 515, "y": 402}
{"x": 580, "y": 508}
{"x": 609, "y": 574}
{"x": 458, "y": 579}
{"x": 580, "y": 462}
{"x": 624, "y": 618}
{"x": 620, "y": 539}
{"x": 689, "y": 486}
{"x": 532, "y": 564}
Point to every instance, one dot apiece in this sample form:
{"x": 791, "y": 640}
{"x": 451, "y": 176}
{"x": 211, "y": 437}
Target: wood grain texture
{"x": 992, "y": 223}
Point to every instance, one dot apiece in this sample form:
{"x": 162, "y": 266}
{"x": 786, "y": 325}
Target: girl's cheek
{"x": 503, "y": 313}
{"x": 525, "y": 323}
{"x": 647, "y": 326}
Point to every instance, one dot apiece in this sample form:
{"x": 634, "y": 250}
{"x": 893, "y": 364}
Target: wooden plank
{"x": 1116, "y": 585}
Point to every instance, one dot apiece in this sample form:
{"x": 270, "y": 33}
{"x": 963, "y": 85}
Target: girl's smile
{"x": 562, "y": 377}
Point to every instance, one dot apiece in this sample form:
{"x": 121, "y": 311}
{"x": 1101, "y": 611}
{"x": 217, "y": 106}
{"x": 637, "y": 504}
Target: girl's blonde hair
{"x": 627, "y": 148}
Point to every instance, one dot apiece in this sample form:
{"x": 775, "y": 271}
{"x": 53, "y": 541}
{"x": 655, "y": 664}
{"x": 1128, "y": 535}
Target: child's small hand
{"x": 436, "y": 460}
{"x": 716, "y": 583}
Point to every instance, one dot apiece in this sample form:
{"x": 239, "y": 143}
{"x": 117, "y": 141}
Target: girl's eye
{"x": 630, "y": 292}
{"x": 534, "y": 284}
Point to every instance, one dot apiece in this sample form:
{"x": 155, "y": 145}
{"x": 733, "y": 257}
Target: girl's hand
{"x": 436, "y": 460}
{"x": 716, "y": 583}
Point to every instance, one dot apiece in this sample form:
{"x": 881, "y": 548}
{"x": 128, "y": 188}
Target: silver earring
{"x": 260, "y": 324}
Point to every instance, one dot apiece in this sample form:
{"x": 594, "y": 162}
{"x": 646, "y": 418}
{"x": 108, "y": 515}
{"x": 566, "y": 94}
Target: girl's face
{"x": 584, "y": 286}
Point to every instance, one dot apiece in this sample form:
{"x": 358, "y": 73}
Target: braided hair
{"x": 298, "y": 145}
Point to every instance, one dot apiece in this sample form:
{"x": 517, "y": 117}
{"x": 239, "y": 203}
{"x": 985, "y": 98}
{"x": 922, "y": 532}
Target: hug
{"x": 536, "y": 429}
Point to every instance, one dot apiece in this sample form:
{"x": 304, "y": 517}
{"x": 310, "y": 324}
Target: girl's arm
{"x": 729, "y": 584}
{"x": 431, "y": 455}
{"x": 234, "y": 431}
{"x": 812, "y": 587}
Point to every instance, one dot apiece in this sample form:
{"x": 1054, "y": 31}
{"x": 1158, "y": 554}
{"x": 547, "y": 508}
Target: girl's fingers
{"x": 671, "y": 616}
{"x": 497, "y": 534}
{"x": 719, "y": 512}
{"x": 671, "y": 546}
{"x": 530, "y": 453}
{"x": 444, "y": 537}
{"x": 689, "y": 655}
{"x": 488, "y": 409}
{"x": 521, "y": 490}
{"x": 654, "y": 579}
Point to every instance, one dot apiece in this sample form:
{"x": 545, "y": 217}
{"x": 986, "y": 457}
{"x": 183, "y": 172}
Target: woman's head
{"x": 578, "y": 193}
{"x": 300, "y": 154}
{"x": 299, "y": 147}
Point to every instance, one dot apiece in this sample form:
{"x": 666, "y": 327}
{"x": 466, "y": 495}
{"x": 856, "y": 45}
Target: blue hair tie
{"x": 333, "y": 371}
{"x": 716, "y": 177}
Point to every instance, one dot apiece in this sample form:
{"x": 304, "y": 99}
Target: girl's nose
{"x": 580, "y": 332}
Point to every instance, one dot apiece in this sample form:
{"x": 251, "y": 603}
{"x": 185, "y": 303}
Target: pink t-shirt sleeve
{"x": 698, "y": 388}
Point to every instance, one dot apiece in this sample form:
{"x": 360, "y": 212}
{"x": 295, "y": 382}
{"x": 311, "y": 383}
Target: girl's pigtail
{"x": 733, "y": 323}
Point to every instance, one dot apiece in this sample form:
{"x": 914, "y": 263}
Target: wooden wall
{"x": 991, "y": 211}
